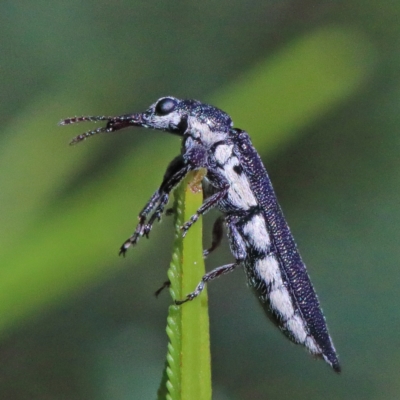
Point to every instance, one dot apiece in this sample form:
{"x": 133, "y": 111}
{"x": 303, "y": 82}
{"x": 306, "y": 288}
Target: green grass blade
{"x": 189, "y": 368}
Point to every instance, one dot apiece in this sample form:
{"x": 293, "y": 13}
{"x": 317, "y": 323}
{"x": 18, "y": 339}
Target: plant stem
{"x": 189, "y": 367}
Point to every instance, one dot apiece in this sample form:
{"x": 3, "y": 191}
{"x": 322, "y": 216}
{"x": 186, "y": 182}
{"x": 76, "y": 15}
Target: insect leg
{"x": 149, "y": 206}
{"x": 209, "y": 276}
{"x": 157, "y": 198}
{"x": 171, "y": 179}
{"x": 140, "y": 228}
{"x": 176, "y": 171}
{"x": 210, "y": 202}
{"x": 217, "y": 234}
{"x": 239, "y": 252}
{"x": 157, "y": 214}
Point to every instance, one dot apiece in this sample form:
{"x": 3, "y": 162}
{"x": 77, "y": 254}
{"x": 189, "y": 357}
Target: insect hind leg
{"x": 209, "y": 276}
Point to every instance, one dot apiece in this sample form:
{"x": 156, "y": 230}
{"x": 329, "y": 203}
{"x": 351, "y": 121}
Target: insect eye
{"x": 165, "y": 106}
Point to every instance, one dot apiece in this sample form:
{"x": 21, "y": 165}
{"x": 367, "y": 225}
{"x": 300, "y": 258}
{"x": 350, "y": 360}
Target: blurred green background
{"x": 317, "y": 86}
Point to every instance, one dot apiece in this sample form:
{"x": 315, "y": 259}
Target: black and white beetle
{"x": 238, "y": 185}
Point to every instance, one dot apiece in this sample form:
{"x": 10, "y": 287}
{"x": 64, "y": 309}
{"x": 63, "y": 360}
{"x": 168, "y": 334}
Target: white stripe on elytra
{"x": 269, "y": 272}
{"x": 312, "y": 346}
{"x": 295, "y": 325}
{"x": 257, "y": 234}
{"x": 281, "y": 302}
{"x": 240, "y": 193}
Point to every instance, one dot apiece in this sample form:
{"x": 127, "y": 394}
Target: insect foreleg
{"x": 176, "y": 166}
{"x": 175, "y": 172}
{"x": 152, "y": 203}
{"x": 157, "y": 214}
{"x": 139, "y": 231}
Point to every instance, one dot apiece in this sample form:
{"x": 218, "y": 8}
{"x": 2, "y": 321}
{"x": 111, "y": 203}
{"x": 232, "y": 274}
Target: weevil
{"x": 236, "y": 183}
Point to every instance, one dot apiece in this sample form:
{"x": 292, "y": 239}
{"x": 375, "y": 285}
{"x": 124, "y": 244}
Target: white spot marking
{"x": 223, "y": 152}
{"x": 257, "y": 233}
{"x": 268, "y": 270}
{"x": 281, "y": 302}
{"x": 296, "y": 326}
{"x": 312, "y": 346}
{"x": 240, "y": 193}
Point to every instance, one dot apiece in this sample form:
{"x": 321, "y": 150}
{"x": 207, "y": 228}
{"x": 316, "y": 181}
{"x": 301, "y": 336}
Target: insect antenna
{"x": 87, "y": 118}
{"x": 87, "y": 134}
{"x": 113, "y": 124}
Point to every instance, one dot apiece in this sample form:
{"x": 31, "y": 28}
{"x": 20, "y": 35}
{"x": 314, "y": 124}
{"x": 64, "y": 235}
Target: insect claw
{"x": 179, "y": 302}
{"x": 146, "y": 230}
{"x": 184, "y": 231}
{"x": 122, "y": 251}
{"x": 124, "y": 248}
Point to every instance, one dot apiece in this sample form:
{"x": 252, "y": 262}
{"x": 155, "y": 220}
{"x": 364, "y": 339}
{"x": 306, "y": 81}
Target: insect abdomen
{"x": 279, "y": 276}
{"x": 266, "y": 276}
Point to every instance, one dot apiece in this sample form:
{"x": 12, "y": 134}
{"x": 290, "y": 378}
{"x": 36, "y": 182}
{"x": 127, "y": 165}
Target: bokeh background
{"x": 316, "y": 84}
